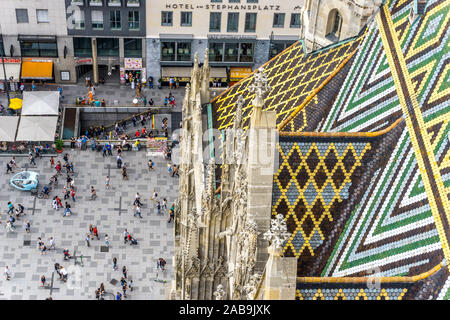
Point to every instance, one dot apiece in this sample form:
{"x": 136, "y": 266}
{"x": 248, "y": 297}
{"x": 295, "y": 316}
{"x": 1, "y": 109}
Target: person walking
{"x": 9, "y": 168}
{"x": 67, "y": 211}
{"x": 138, "y": 211}
{"x": 164, "y": 205}
{"x": 150, "y": 165}
{"x": 95, "y": 232}
{"x": 124, "y": 289}
{"x": 124, "y": 272}
{"x": 124, "y": 173}
{"x": 10, "y": 207}
{"x": 32, "y": 159}
{"x": 118, "y": 296}
{"x": 158, "y": 207}
{"x": 125, "y": 236}
{"x": 107, "y": 181}
{"x": 27, "y": 226}
{"x": 93, "y": 193}
{"x": 106, "y": 241}
{"x": 43, "y": 280}
{"x": 52, "y": 244}
{"x": 7, "y": 273}
{"x": 87, "y": 240}
{"x": 114, "y": 264}
{"x": 72, "y": 194}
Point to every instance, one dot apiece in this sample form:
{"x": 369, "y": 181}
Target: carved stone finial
{"x": 206, "y": 62}
{"x": 260, "y": 87}
{"x": 251, "y": 287}
{"x": 196, "y": 59}
{"x": 220, "y": 293}
{"x": 238, "y": 115}
{"x": 277, "y": 234}
{"x": 211, "y": 181}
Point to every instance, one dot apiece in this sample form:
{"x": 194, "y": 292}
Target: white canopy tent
{"x": 37, "y": 129}
{"x": 40, "y": 103}
{"x": 8, "y": 128}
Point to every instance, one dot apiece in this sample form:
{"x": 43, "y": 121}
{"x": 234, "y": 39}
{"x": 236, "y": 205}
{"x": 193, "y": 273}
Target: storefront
{"x": 12, "y": 69}
{"x": 37, "y": 69}
{"x": 219, "y": 77}
{"x": 133, "y": 66}
{"x": 182, "y": 75}
{"x": 239, "y": 73}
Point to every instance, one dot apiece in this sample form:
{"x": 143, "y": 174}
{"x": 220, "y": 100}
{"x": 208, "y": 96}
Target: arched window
{"x": 334, "y": 25}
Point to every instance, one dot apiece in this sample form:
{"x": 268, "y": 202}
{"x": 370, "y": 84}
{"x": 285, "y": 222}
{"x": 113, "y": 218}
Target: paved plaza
{"x": 19, "y": 250}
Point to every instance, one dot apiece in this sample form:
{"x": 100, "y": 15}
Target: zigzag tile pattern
{"x": 292, "y": 76}
{"x": 367, "y": 101}
{"x": 351, "y": 292}
{"x": 310, "y": 186}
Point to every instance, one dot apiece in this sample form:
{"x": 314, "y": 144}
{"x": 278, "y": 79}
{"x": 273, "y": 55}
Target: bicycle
{"x": 42, "y": 194}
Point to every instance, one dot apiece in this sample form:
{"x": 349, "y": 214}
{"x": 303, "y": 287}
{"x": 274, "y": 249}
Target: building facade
{"x": 34, "y": 39}
{"x": 241, "y": 35}
{"x": 107, "y": 37}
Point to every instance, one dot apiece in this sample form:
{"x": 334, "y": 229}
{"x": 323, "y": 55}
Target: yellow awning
{"x": 37, "y": 70}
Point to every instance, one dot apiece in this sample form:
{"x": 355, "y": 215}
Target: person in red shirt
{"x": 137, "y": 133}
{"x": 143, "y": 132}
{"x": 95, "y": 231}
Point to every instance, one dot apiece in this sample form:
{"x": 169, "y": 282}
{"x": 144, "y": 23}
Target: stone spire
{"x": 260, "y": 87}
{"x": 238, "y": 115}
{"x": 220, "y": 293}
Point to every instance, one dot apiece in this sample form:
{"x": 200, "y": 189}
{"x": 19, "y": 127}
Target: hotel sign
{"x": 10, "y": 60}
{"x": 250, "y": 7}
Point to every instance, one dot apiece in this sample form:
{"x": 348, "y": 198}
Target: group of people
{"x": 15, "y": 214}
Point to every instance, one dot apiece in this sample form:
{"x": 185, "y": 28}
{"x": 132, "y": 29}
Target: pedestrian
{"x": 125, "y": 236}
{"x": 119, "y": 162}
{"x": 87, "y": 240}
{"x": 137, "y": 199}
{"x": 55, "y": 204}
{"x": 27, "y": 226}
{"x": 43, "y": 280}
{"x": 124, "y": 289}
{"x": 107, "y": 180}
{"x": 138, "y": 211}
{"x": 95, "y": 232}
{"x": 52, "y": 244}
{"x": 106, "y": 240}
{"x": 9, "y": 227}
{"x": 124, "y": 173}
{"x": 124, "y": 272}
{"x": 154, "y": 196}
{"x": 52, "y": 162}
{"x": 108, "y": 146}
{"x": 10, "y": 207}
{"x": 91, "y": 229}
{"x": 114, "y": 264}
{"x": 43, "y": 249}
{"x": 164, "y": 205}
{"x": 150, "y": 165}
{"x": 130, "y": 284}
{"x": 104, "y": 150}
{"x": 93, "y": 193}
{"x": 32, "y": 159}
{"x": 57, "y": 270}
{"x": 171, "y": 215}
{"x": 158, "y": 207}
{"x": 67, "y": 212}
{"x": 161, "y": 263}
{"x": 7, "y": 273}
{"x": 118, "y": 296}
{"x": 72, "y": 194}
{"x": 9, "y": 167}
{"x": 64, "y": 273}
{"x": 59, "y": 203}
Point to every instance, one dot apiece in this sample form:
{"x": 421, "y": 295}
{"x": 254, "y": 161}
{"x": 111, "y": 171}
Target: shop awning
{"x": 37, "y": 128}
{"x": 218, "y": 73}
{"x": 37, "y": 70}
{"x": 12, "y": 70}
{"x": 176, "y": 72}
{"x": 39, "y": 103}
{"x": 8, "y": 128}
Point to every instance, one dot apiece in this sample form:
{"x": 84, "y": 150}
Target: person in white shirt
{"x": 7, "y": 273}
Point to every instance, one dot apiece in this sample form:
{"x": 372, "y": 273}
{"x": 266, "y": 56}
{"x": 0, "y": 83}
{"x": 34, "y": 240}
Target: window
{"x": 231, "y": 52}
{"x": 108, "y": 47}
{"x": 250, "y": 22}
{"x": 97, "y": 19}
{"x": 233, "y": 22}
{"x": 167, "y": 18}
{"x": 334, "y": 25}
{"x": 175, "y": 51}
{"x": 114, "y": 3}
{"x": 215, "y": 20}
{"x": 234, "y": 1}
{"x": 79, "y": 20}
{"x": 77, "y": 2}
{"x": 36, "y": 48}
{"x": 133, "y": 20}
{"x": 82, "y": 47}
{"x": 114, "y": 20}
{"x": 216, "y": 52}
{"x": 133, "y": 48}
{"x": 216, "y": 0}
{"x": 278, "y": 20}
{"x": 133, "y": 3}
{"x": 2, "y": 49}
{"x": 295, "y": 20}
{"x": 246, "y": 52}
{"x": 96, "y": 3}
{"x": 252, "y": 1}
{"x": 22, "y": 15}
{"x": 277, "y": 47}
{"x": 183, "y": 51}
{"x": 42, "y": 16}
{"x": 186, "y": 19}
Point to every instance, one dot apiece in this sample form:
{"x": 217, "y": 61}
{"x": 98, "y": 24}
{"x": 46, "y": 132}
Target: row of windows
{"x": 107, "y": 47}
{"x": 111, "y": 3}
{"x": 41, "y": 16}
{"x": 215, "y": 20}
{"x": 115, "y": 20}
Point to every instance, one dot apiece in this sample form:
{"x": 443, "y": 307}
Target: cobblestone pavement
{"x": 154, "y": 234}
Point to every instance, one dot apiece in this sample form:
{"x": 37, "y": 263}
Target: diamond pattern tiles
{"x": 292, "y": 75}
{"x": 313, "y": 178}
{"x": 352, "y": 292}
